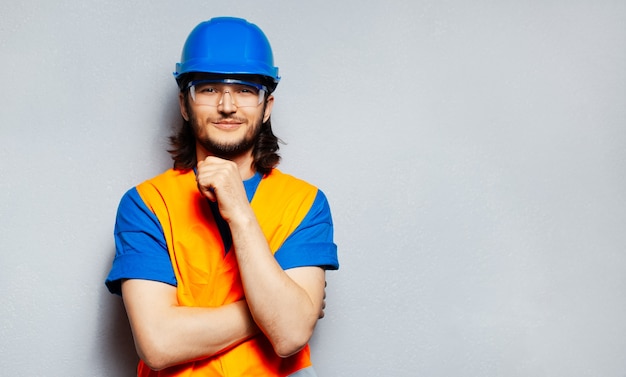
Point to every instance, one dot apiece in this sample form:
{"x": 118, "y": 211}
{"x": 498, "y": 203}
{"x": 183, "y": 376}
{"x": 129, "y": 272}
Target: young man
{"x": 221, "y": 260}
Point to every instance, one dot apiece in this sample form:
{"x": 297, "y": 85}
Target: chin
{"x": 227, "y": 150}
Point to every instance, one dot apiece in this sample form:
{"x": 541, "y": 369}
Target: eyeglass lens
{"x": 214, "y": 94}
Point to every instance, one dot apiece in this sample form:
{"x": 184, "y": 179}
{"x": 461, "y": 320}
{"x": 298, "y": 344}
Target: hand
{"x": 219, "y": 180}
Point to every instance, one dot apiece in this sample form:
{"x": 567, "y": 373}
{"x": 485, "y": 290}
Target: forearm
{"x": 167, "y": 334}
{"x": 286, "y": 310}
{"x": 189, "y": 333}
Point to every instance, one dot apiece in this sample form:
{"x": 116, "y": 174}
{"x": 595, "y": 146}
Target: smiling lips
{"x": 227, "y": 124}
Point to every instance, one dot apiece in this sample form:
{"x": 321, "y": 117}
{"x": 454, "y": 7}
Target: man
{"x": 221, "y": 260}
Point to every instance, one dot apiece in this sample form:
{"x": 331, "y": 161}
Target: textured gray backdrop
{"x": 473, "y": 155}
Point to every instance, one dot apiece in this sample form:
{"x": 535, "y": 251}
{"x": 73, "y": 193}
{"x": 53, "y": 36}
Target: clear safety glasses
{"x": 213, "y": 92}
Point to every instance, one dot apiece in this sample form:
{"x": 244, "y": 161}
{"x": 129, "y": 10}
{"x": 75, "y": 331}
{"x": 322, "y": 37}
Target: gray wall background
{"x": 473, "y": 154}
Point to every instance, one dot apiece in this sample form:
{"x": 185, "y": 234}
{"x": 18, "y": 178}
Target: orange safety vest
{"x": 209, "y": 278}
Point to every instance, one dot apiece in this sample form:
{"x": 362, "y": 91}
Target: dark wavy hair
{"x": 264, "y": 153}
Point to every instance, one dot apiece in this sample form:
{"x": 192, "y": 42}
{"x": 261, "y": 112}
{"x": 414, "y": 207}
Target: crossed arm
{"x": 167, "y": 334}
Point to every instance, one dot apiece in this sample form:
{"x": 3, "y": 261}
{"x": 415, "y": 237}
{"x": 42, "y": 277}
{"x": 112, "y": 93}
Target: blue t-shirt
{"x": 141, "y": 249}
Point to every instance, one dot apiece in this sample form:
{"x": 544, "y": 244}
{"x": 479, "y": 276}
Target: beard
{"x": 227, "y": 150}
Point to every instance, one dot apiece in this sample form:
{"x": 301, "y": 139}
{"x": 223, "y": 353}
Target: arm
{"x": 167, "y": 334}
{"x": 284, "y": 304}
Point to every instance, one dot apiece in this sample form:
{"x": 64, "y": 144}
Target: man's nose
{"x": 227, "y": 104}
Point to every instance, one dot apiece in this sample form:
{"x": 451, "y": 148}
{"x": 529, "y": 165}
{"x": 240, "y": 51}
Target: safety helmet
{"x": 227, "y": 46}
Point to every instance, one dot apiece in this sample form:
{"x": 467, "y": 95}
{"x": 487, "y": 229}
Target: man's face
{"x": 226, "y": 130}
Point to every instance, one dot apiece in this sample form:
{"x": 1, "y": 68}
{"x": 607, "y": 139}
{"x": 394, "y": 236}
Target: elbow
{"x": 287, "y": 350}
{"x": 155, "y": 363}
{"x": 292, "y": 344}
{"x": 154, "y": 356}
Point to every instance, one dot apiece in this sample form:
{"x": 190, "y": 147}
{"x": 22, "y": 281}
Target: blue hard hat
{"x": 227, "y": 46}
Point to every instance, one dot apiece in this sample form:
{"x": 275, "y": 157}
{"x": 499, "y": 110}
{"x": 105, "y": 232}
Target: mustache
{"x": 228, "y": 119}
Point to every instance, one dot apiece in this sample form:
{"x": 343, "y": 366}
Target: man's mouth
{"x": 227, "y": 123}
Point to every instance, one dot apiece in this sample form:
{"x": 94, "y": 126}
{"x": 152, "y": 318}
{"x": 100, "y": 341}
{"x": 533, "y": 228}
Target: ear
{"x": 269, "y": 104}
{"x": 183, "y": 107}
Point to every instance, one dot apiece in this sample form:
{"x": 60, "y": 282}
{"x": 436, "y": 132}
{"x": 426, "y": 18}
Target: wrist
{"x": 242, "y": 221}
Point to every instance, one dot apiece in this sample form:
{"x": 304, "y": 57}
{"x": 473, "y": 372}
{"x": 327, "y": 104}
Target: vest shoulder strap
{"x": 280, "y": 203}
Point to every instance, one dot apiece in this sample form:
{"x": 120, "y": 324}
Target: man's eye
{"x": 207, "y": 90}
{"x": 247, "y": 91}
